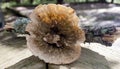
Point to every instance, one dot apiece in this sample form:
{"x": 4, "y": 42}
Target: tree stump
{"x": 88, "y": 60}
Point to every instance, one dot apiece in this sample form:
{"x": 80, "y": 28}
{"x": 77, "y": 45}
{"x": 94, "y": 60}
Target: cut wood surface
{"x": 13, "y": 49}
{"x": 15, "y": 55}
{"x": 94, "y": 56}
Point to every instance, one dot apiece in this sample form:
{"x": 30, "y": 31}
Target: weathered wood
{"x": 20, "y": 11}
{"x": 13, "y": 49}
{"x": 31, "y": 62}
{"x": 92, "y": 57}
{"x": 15, "y": 55}
{"x": 15, "y": 12}
{"x": 88, "y": 60}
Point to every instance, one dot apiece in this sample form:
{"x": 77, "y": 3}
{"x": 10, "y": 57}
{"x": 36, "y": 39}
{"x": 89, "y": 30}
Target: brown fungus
{"x": 55, "y": 34}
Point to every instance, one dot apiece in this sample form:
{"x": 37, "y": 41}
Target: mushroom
{"x": 54, "y": 34}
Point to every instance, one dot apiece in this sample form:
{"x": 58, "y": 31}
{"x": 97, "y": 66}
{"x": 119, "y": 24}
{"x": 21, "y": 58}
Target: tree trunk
{"x": 112, "y": 1}
{"x": 87, "y": 1}
{"x": 2, "y": 22}
{"x": 60, "y": 1}
{"x": 18, "y": 1}
{"x": 102, "y": 1}
{"x": 31, "y": 1}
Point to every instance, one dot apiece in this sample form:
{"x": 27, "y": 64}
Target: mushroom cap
{"x": 54, "y": 34}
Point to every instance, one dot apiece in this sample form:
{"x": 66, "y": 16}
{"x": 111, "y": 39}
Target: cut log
{"x": 88, "y": 60}
{"x": 31, "y": 62}
{"x": 93, "y": 56}
{"x": 20, "y": 11}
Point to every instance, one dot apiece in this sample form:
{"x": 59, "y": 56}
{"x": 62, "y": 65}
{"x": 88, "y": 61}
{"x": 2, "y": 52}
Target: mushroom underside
{"x": 54, "y": 55}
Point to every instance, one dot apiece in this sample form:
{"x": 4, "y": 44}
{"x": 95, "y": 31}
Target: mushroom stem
{"x": 52, "y": 39}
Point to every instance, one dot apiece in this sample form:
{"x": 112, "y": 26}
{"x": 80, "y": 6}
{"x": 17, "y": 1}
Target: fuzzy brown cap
{"x": 55, "y": 34}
